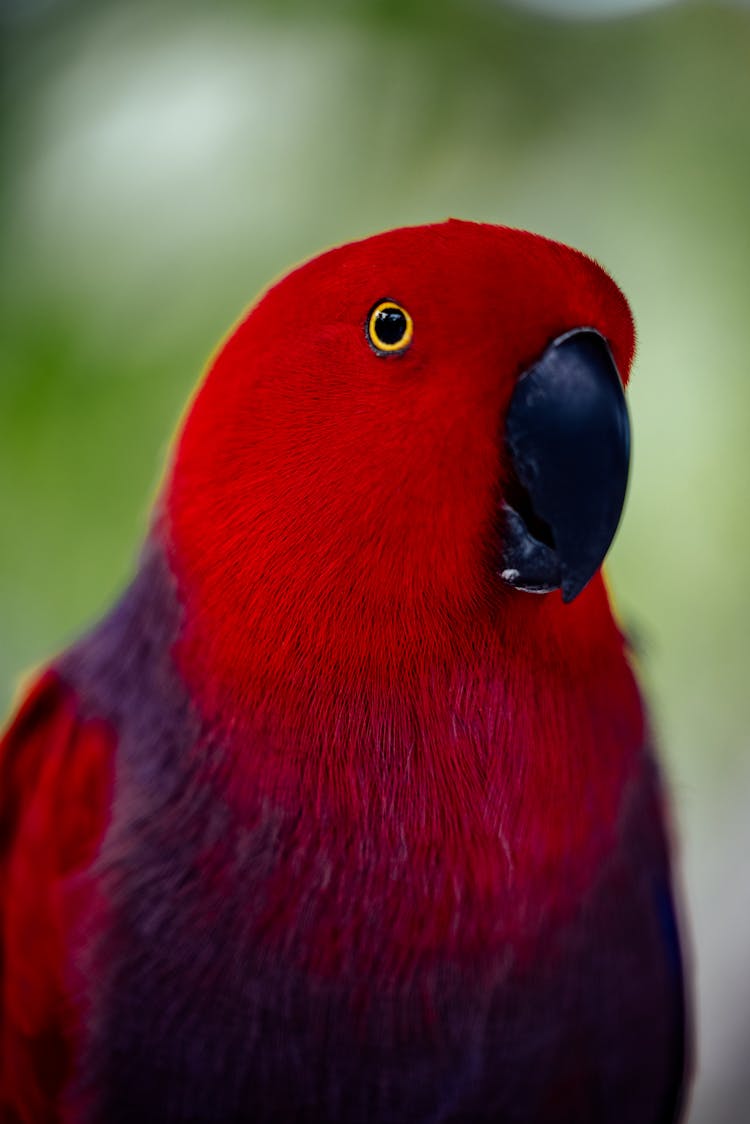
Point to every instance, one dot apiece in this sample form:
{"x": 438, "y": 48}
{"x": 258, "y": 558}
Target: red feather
{"x": 55, "y": 783}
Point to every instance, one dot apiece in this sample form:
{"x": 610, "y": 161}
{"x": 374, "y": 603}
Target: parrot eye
{"x": 389, "y": 328}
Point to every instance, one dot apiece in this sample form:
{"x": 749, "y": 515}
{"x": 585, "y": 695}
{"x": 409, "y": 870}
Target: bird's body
{"x": 306, "y": 831}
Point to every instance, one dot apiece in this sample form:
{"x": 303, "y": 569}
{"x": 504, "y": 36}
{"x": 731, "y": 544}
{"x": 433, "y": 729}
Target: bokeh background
{"x": 162, "y": 161}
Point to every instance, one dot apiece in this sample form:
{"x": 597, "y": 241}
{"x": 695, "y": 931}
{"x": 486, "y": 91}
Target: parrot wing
{"x": 55, "y": 791}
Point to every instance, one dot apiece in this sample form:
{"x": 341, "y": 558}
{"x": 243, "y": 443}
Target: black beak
{"x": 568, "y": 436}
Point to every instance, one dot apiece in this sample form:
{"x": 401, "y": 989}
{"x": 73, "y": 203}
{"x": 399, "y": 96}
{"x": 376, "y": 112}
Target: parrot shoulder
{"x": 55, "y": 793}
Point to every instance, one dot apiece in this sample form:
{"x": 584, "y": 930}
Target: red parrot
{"x": 347, "y": 812}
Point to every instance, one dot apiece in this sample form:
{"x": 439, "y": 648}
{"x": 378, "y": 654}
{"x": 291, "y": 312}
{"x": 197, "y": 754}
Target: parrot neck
{"x": 512, "y": 734}
{"x": 459, "y": 797}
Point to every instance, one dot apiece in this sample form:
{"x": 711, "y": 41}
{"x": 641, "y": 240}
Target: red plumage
{"x": 379, "y": 480}
{"x": 55, "y": 787}
{"x": 326, "y": 745}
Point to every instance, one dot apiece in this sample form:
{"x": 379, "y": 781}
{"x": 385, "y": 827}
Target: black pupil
{"x": 390, "y": 325}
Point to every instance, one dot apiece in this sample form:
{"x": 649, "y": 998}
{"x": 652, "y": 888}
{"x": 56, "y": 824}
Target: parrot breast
{"x": 266, "y": 951}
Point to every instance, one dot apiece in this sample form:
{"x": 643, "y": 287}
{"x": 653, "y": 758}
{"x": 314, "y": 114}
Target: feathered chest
{"x": 264, "y": 970}
{"x": 307, "y": 938}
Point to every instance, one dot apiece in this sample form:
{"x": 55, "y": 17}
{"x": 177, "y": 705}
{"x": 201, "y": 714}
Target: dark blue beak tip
{"x": 571, "y": 589}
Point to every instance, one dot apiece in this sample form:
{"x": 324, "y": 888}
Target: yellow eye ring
{"x": 390, "y": 328}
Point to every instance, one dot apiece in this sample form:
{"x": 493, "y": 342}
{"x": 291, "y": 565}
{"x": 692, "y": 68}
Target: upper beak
{"x": 568, "y": 438}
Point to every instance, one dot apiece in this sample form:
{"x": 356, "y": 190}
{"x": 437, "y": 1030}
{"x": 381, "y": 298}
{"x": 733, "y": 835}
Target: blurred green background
{"x": 162, "y": 161}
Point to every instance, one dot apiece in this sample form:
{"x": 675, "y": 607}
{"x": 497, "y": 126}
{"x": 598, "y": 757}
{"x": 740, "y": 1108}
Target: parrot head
{"x": 404, "y": 434}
